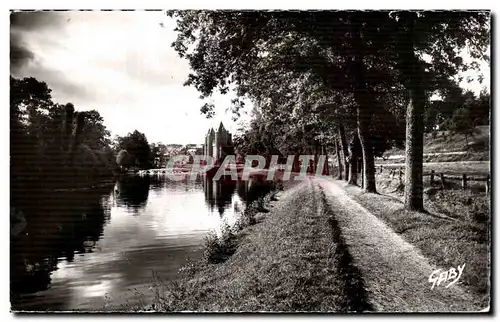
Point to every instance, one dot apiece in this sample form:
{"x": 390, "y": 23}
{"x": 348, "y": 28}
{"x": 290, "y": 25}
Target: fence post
{"x": 380, "y": 168}
{"x": 400, "y": 175}
{"x": 487, "y": 184}
{"x": 464, "y": 181}
{"x": 432, "y": 177}
{"x": 441, "y": 175}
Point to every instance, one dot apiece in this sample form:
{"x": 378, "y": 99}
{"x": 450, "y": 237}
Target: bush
{"x": 219, "y": 248}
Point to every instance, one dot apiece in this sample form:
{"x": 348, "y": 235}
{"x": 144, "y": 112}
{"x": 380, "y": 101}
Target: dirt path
{"x": 316, "y": 250}
{"x": 394, "y": 273}
{"x": 289, "y": 261}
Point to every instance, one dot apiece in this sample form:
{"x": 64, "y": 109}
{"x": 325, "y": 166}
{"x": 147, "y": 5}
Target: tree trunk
{"x": 360, "y": 166}
{"x": 69, "y": 112}
{"x": 339, "y": 160}
{"x": 369, "y": 184}
{"x": 326, "y": 166}
{"x": 414, "y": 119}
{"x": 76, "y": 137}
{"x": 296, "y": 163}
{"x": 353, "y": 160}
{"x": 316, "y": 157}
{"x": 344, "y": 149}
{"x": 363, "y": 111}
{"x": 414, "y": 154}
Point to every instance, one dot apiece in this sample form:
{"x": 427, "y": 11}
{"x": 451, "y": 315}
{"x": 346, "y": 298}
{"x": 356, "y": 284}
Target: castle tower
{"x": 221, "y": 140}
{"x": 209, "y": 140}
{"x": 216, "y": 143}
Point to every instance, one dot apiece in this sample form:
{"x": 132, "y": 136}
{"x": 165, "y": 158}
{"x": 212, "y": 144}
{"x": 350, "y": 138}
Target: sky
{"x": 122, "y": 65}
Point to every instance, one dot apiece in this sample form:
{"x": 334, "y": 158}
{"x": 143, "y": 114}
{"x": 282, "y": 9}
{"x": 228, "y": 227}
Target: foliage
{"x": 345, "y": 60}
{"x": 158, "y": 155}
{"x": 52, "y": 144}
{"x": 462, "y": 123}
{"x": 137, "y": 145}
{"x": 124, "y": 159}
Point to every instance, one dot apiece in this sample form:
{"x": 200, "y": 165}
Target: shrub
{"x": 219, "y": 248}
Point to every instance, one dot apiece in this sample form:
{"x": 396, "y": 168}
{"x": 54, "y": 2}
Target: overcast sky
{"x": 121, "y": 64}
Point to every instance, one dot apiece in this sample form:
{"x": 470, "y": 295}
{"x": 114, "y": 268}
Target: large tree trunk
{"x": 414, "y": 154}
{"x": 344, "y": 149}
{"x": 339, "y": 159}
{"x": 414, "y": 120}
{"x": 363, "y": 111}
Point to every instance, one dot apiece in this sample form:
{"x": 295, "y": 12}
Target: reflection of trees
{"x": 241, "y": 189}
{"x": 253, "y": 188}
{"x": 58, "y": 226}
{"x": 133, "y": 191}
{"x": 157, "y": 182}
{"x": 218, "y": 193}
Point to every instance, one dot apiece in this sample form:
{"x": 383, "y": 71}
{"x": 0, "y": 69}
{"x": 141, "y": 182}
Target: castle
{"x": 218, "y": 144}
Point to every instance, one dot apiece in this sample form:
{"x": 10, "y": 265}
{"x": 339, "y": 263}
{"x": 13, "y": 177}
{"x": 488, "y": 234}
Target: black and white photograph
{"x": 250, "y": 161}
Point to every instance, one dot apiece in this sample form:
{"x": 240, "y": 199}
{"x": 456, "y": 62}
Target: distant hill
{"x": 443, "y": 142}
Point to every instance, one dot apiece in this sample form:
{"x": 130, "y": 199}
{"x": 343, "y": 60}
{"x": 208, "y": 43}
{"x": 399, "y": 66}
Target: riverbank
{"x": 316, "y": 249}
{"x": 287, "y": 261}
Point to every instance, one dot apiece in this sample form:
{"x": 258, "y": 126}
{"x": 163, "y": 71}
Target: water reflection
{"x": 58, "y": 228}
{"x": 132, "y": 191}
{"x": 219, "y": 193}
{"x": 80, "y": 249}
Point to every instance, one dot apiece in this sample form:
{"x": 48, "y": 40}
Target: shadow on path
{"x": 356, "y": 296}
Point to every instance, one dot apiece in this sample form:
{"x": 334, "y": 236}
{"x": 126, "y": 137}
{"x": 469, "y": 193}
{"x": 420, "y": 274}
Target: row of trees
{"x": 133, "y": 150}
{"x": 52, "y": 145}
{"x": 360, "y": 81}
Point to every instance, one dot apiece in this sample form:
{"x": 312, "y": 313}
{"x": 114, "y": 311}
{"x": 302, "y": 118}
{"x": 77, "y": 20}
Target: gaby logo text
{"x": 452, "y": 276}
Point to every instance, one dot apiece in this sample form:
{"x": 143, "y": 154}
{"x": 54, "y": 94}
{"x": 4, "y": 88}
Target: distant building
{"x": 218, "y": 144}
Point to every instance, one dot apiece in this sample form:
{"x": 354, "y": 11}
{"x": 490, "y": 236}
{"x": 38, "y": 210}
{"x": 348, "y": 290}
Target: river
{"x": 98, "y": 249}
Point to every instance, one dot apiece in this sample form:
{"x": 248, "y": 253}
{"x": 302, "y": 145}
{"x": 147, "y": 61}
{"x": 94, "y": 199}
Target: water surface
{"x": 98, "y": 249}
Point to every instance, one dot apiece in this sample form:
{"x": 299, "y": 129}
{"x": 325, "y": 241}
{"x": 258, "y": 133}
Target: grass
{"x": 461, "y": 237}
{"x": 467, "y": 156}
{"x": 477, "y": 168}
{"x": 443, "y": 141}
{"x": 289, "y": 260}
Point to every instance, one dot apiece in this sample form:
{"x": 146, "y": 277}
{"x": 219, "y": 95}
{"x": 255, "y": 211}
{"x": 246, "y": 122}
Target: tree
{"x": 137, "y": 145}
{"x": 482, "y": 108}
{"x": 355, "y": 53}
{"x": 462, "y": 123}
{"x": 124, "y": 159}
{"x": 49, "y": 146}
{"x": 312, "y": 50}
{"x": 442, "y": 35}
{"x": 94, "y": 133}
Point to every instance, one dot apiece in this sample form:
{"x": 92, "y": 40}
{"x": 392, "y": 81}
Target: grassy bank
{"x": 284, "y": 259}
{"x": 445, "y": 157}
{"x": 444, "y": 141}
{"x": 474, "y": 168}
{"x": 455, "y": 231}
